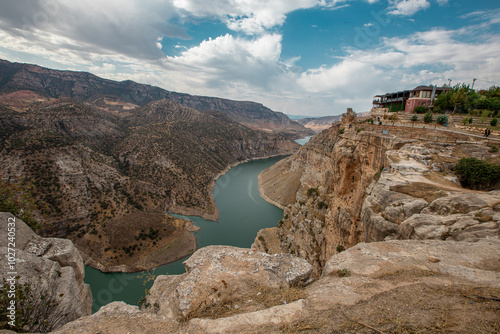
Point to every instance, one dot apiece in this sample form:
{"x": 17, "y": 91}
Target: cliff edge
{"x": 48, "y": 285}
{"x": 356, "y": 182}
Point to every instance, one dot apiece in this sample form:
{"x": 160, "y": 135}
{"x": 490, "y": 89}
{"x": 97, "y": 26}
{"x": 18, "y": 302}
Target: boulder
{"x": 218, "y": 272}
{"x": 462, "y": 203}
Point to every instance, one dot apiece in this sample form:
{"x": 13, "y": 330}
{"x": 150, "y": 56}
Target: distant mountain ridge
{"x": 318, "y": 124}
{"x": 108, "y": 94}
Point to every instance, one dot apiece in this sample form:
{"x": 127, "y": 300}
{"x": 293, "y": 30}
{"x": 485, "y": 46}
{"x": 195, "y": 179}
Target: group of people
{"x": 487, "y": 132}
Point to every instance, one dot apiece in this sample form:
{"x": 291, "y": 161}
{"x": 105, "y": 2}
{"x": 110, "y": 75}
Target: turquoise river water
{"x": 242, "y": 214}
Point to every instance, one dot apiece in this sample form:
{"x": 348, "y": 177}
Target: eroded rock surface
{"x": 216, "y": 272}
{"x": 52, "y": 267}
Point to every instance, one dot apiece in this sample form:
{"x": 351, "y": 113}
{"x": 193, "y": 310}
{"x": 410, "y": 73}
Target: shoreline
{"x": 188, "y": 245}
{"x": 215, "y": 216}
{"x": 265, "y": 197}
{"x": 189, "y": 227}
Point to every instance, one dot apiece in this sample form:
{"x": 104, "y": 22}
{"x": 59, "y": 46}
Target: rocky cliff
{"x": 20, "y": 83}
{"x": 352, "y": 184}
{"x": 52, "y": 269}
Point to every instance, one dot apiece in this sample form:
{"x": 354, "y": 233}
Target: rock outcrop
{"x": 51, "y": 267}
{"x": 325, "y": 183}
{"x": 391, "y": 287}
{"x": 217, "y": 274}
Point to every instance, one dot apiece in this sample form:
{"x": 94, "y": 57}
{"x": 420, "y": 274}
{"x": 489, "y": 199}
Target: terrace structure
{"x": 408, "y": 100}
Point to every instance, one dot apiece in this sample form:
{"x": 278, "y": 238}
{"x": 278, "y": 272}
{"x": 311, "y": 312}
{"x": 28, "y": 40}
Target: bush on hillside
{"x": 442, "y": 119}
{"x": 477, "y": 174}
{"x": 428, "y": 117}
{"x": 420, "y": 110}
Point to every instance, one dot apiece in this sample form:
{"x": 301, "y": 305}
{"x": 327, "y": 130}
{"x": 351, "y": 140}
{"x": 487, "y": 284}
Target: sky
{"x": 300, "y": 57}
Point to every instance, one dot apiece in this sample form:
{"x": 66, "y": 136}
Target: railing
{"x": 437, "y": 135}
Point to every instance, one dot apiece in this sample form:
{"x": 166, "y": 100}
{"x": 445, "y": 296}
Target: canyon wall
{"x": 353, "y": 183}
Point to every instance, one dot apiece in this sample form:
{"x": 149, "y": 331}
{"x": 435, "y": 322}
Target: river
{"x": 242, "y": 214}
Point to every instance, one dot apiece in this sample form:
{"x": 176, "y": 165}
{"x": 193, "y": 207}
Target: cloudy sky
{"x": 307, "y": 57}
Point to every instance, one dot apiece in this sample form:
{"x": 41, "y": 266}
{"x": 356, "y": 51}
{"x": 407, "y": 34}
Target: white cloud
{"x": 409, "y": 7}
{"x": 248, "y": 16}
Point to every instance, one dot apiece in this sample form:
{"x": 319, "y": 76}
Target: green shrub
{"x": 442, "y": 119}
{"x": 340, "y": 131}
{"x": 471, "y": 120}
{"x": 340, "y": 248}
{"x": 343, "y": 273}
{"x": 414, "y": 118}
{"x": 428, "y": 117}
{"x": 420, "y": 110}
{"x": 477, "y": 174}
{"x": 494, "y": 122}
{"x": 312, "y": 192}
{"x": 322, "y": 205}
{"x": 17, "y": 199}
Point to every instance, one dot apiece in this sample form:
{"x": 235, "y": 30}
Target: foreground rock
{"x": 392, "y": 287}
{"x": 219, "y": 274}
{"x": 52, "y": 268}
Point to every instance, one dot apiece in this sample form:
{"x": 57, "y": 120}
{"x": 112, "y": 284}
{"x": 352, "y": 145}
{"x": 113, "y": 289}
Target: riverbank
{"x": 242, "y": 214}
{"x": 142, "y": 241}
{"x": 214, "y": 214}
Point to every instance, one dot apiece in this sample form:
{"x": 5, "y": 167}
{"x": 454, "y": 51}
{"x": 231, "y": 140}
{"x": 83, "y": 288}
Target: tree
{"x": 494, "y": 121}
{"x": 37, "y": 308}
{"x": 428, "y": 117}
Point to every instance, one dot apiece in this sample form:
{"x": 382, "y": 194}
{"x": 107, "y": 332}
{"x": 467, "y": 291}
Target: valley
{"x": 95, "y": 168}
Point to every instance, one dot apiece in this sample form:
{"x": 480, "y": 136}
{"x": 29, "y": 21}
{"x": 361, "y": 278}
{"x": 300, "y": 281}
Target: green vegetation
{"x": 343, "y": 273}
{"x": 442, "y": 119}
{"x": 462, "y": 99}
{"x": 340, "y": 248}
{"x": 428, "y": 117}
{"x": 153, "y": 234}
{"x": 420, "y": 110}
{"x": 414, "y": 118}
{"x": 17, "y": 199}
{"x": 312, "y": 192}
{"x": 322, "y": 205}
{"x": 494, "y": 121}
{"x": 477, "y": 174}
{"x": 340, "y": 131}
{"x": 35, "y": 311}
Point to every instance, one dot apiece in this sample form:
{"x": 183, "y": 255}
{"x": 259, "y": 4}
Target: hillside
{"x": 318, "y": 124}
{"x": 42, "y": 83}
{"x": 92, "y": 170}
